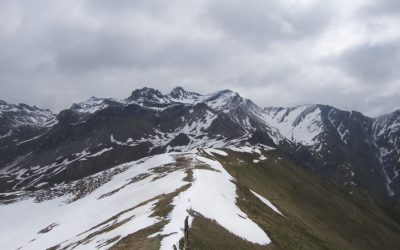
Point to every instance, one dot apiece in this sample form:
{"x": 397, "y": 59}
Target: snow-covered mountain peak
{"x": 223, "y": 99}
{"x": 146, "y": 95}
{"x": 7, "y": 107}
{"x": 90, "y": 106}
{"x": 154, "y": 99}
{"x": 180, "y": 95}
{"x": 178, "y": 92}
{"x": 226, "y": 93}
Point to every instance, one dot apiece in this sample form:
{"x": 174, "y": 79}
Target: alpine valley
{"x": 126, "y": 174}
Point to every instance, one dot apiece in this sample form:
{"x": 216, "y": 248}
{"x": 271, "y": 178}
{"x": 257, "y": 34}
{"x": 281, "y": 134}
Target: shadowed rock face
{"x": 345, "y": 148}
{"x": 19, "y": 124}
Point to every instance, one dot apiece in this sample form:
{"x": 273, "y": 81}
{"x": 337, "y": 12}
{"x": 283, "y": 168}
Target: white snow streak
{"x": 267, "y": 202}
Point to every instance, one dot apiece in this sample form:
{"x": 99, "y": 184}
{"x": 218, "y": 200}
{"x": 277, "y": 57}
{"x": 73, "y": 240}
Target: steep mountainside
{"x": 386, "y": 134}
{"x": 346, "y": 147}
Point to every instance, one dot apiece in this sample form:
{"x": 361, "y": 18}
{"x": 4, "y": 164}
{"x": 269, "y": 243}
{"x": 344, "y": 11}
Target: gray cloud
{"x": 109, "y": 50}
{"x": 262, "y": 22}
{"x": 275, "y": 52}
{"x": 375, "y": 64}
{"x": 383, "y": 7}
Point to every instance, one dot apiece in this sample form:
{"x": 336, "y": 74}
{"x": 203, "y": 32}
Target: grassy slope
{"x": 317, "y": 216}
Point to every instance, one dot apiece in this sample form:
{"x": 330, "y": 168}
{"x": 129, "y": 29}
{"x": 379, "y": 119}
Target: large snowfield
{"x": 128, "y": 200}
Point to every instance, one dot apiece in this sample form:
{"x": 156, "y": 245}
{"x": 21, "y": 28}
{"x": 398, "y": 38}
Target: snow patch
{"x": 212, "y": 151}
{"x": 267, "y": 202}
{"x": 215, "y": 186}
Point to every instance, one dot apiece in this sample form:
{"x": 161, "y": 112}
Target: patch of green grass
{"x": 140, "y": 241}
{"x": 317, "y": 215}
{"x": 283, "y": 232}
{"x": 207, "y": 234}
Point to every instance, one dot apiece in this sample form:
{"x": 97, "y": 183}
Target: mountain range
{"x": 144, "y": 163}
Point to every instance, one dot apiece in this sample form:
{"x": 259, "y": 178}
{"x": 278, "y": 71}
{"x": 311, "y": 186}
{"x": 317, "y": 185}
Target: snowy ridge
{"x": 215, "y": 186}
{"x": 92, "y": 105}
{"x": 25, "y": 115}
{"x": 125, "y": 202}
{"x": 153, "y": 99}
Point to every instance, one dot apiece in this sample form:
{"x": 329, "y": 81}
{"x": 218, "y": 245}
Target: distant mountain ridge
{"x": 346, "y": 148}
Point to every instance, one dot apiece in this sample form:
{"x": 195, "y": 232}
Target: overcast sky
{"x": 276, "y": 52}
